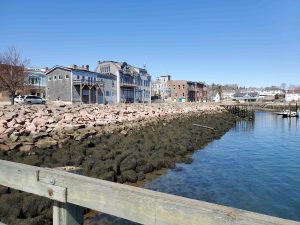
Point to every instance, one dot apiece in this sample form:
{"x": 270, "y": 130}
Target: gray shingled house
{"x": 79, "y": 85}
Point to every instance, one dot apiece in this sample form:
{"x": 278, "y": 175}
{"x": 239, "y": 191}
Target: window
{"x": 182, "y": 94}
{"x": 59, "y": 77}
{"x": 113, "y": 83}
{"x": 54, "y": 77}
{"x": 78, "y": 77}
{"x": 67, "y": 76}
{"x": 107, "y": 93}
{"x": 49, "y": 78}
{"x": 178, "y": 86}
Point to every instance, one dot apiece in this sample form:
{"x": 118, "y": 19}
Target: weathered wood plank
{"x": 68, "y": 213}
{"x": 198, "y": 125}
{"x": 26, "y": 178}
{"x": 132, "y": 203}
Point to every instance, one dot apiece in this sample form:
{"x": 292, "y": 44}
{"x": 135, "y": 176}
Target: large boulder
{"x": 128, "y": 163}
{"x": 147, "y": 168}
{"x": 130, "y": 176}
{"x": 13, "y": 146}
{"x": 68, "y": 117}
{"x": 26, "y": 148}
{"x": 46, "y": 143}
{"x": 4, "y": 147}
{"x": 38, "y": 122}
{"x": 9, "y": 131}
{"x": 31, "y": 128}
{"x": 2, "y": 129}
{"x": 10, "y": 115}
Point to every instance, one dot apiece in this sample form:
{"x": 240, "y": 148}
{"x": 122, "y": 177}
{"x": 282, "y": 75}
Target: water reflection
{"x": 255, "y": 166}
{"x": 244, "y": 126}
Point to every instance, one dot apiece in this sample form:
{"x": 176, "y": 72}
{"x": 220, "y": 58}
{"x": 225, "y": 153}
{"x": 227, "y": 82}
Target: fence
{"x": 131, "y": 203}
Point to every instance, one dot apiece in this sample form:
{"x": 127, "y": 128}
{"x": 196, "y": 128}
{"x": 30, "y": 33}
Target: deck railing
{"x": 131, "y": 203}
{"x": 87, "y": 82}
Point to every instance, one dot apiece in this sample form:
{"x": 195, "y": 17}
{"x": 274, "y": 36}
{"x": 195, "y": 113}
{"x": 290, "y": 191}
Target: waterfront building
{"x": 80, "y": 85}
{"x": 215, "y": 97}
{"x": 227, "y": 94}
{"x": 292, "y": 95}
{"x": 159, "y": 87}
{"x": 186, "y": 91}
{"x": 246, "y": 97}
{"x": 35, "y": 81}
{"x": 133, "y": 84}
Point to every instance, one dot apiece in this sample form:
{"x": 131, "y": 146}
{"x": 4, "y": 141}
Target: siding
{"x": 59, "y": 88}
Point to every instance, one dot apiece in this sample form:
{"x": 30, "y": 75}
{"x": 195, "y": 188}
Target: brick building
{"x": 186, "y": 91}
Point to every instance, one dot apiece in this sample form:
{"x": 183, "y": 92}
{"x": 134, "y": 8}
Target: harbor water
{"x": 255, "y": 166}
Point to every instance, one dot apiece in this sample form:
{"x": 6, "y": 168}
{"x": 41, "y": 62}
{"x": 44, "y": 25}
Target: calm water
{"x": 255, "y": 166}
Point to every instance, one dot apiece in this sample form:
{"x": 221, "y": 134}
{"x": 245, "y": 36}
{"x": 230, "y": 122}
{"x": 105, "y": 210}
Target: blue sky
{"x": 252, "y": 43}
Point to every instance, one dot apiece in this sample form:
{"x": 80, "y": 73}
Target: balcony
{"x": 127, "y": 84}
{"x": 87, "y": 82}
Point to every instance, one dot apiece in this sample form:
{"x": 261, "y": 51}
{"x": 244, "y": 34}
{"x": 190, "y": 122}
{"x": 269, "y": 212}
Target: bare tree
{"x": 283, "y": 86}
{"x": 12, "y": 72}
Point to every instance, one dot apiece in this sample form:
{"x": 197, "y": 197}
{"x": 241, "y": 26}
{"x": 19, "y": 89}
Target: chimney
{"x": 87, "y": 67}
{"x": 74, "y": 66}
{"x": 46, "y": 68}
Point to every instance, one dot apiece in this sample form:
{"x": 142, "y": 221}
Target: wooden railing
{"x": 131, "y": 203}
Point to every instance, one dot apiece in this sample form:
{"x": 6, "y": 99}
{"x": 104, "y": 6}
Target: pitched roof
{"x": 68, "y": 69}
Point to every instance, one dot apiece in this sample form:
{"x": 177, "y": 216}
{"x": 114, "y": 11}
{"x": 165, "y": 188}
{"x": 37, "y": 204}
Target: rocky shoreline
{"x": 129, "y": 143}
{"x": 27, "y": 128}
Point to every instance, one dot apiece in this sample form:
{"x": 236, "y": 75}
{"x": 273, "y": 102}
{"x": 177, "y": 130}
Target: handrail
{"x": 131, "y": 203}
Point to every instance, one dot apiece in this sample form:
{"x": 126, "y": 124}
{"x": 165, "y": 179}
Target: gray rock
{"x": 13, "y": 146}
{"x": 81, "y": 137}
{"x": 141, "y": 176}
{"x": 10, "y": 115}
{"x": 26, "y": 148}
{"x": 128, "y": 163}
{"x": 130, "y": 176}
{"x": 14, "y": 137}
{"x": 9, "y": 131}
{"x": 46, "y": 143}
{"x": 4, "y": 147}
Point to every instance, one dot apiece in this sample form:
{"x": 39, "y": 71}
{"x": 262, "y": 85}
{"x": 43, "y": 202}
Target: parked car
{"x": 32, "y": 99}
{"x": 19, "y": 99}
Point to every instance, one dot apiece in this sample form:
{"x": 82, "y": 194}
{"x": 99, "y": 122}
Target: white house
{"x": 292, "y": 97}
{"x": 216, "y": 97}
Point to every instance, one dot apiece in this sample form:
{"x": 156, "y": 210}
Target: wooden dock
{"x": 242, "y": 111}
{"x": 131, "y": 203}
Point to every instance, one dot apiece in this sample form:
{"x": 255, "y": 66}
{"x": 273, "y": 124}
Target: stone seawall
{"x": 135, "y": 141}
{"x": 29, "y": 127}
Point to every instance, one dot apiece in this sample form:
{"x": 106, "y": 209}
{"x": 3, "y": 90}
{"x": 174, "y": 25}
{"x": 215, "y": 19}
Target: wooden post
{"x": 67, "y": 213}
{"x": 104, "y": 98}
{"x": 97, "y": 95}
{"x": 90, "y": 94}
{"x": 81, "y": 93}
